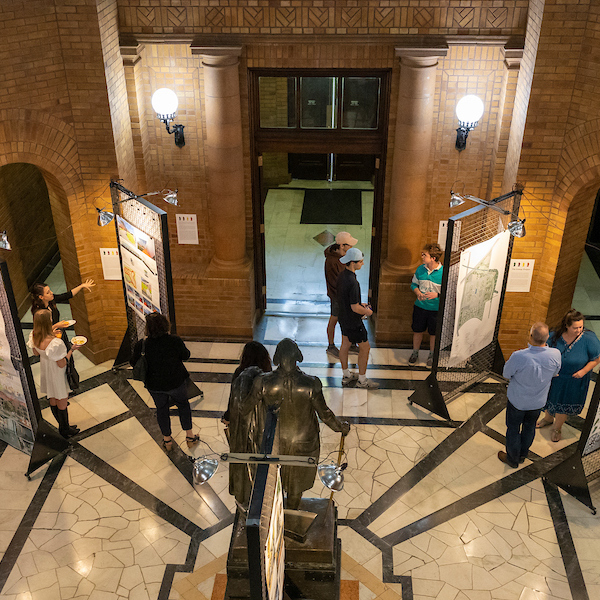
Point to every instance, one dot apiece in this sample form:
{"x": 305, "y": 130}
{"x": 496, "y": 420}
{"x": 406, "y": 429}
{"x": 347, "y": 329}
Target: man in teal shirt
{"x": 427, "y": 285}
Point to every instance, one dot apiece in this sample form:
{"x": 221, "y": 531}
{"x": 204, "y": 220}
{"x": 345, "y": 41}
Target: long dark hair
{"x": 37, "y": 289}
{"x": 570, "y": 317}
{"x": 255, "y": 354}
{"x": 157, "y": 325}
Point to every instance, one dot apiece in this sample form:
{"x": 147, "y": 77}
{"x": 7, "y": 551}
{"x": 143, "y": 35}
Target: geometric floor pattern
{"x": 427, "y": 511}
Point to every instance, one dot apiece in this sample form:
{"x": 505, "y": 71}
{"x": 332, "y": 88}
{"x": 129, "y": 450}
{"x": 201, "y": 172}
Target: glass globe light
{"x": 165, "y": 103}
{"x": 469, "y": 109}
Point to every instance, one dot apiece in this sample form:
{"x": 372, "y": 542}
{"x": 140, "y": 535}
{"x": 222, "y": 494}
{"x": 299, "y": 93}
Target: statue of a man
{"x": 299, "y": 398}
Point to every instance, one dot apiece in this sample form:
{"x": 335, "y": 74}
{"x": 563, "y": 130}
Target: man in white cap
{"x": 333, "y": 267}
{"x": 351, "y": 313}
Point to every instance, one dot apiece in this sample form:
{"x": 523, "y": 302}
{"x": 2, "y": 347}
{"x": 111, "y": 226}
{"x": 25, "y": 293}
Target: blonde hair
{"x": 42, "y": 326}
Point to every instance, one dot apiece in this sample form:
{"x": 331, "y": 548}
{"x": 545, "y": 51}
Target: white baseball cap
{"x": 353, "y": 255}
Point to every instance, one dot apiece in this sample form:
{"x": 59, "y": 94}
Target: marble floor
{"x": 294, "y": 251}
{"x": 427, "y": 511}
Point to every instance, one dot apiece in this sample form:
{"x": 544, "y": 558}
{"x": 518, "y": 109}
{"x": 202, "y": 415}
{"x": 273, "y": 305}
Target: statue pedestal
{"x": 312, "y": 566}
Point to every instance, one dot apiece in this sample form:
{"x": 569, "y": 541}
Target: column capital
{"x": 512, "y": 58}
{"x": 131, "y": 53}
{"x": 218, "y": 56}
{"x": 419, "y": 56}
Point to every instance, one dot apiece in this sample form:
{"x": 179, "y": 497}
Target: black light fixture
{"x": 516, "y": 226}
{"x": 165, "y": 103}
{"x": 468, "y": 110}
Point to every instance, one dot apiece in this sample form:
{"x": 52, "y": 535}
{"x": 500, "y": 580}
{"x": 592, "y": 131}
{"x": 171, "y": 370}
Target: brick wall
{"x": 55, "y": 114}
{"x": 559, "y": 165}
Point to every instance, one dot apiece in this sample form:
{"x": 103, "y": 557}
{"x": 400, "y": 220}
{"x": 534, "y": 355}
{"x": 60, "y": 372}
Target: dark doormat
{"x": 335, "y": 207}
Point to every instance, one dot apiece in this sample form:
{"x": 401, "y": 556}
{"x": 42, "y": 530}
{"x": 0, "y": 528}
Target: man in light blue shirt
{"x": 530, "y": 373}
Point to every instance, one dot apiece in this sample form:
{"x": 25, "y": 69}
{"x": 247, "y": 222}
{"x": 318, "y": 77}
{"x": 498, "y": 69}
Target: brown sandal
{"x": 168, "y": 445}
{"x": 556, "y": 435}
{"x": 543, "y": 423}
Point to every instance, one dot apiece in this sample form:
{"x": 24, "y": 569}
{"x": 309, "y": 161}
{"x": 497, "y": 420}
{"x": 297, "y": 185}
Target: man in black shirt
{"x": 351, "y": 313}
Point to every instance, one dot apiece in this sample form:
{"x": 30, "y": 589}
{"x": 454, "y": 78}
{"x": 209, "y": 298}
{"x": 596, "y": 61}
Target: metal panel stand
{"x": 124, "y": 353}
{"x": 428, "y": 395}
{"x": 570, "y": 476}
{"x": 48, "y": 444}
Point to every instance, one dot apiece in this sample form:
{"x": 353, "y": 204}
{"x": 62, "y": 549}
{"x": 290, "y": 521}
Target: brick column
{"x": 412, "y": 146}
{"x": 224, "y": 155}
{"x": 131, "y": 54}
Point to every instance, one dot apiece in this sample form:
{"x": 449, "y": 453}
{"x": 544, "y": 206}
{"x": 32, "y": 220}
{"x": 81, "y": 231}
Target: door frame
{"x": 340, "y": 141}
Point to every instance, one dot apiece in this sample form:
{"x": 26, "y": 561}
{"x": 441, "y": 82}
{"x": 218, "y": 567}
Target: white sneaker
{"x": 352, "y": 377}
{"x": 367, "y": 384}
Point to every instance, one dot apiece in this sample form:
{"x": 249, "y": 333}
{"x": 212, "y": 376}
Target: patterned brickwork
{"x": 306, "y": 17}
{"x": 54, "y": 114}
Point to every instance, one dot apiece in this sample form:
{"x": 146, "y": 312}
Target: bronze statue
{"x": 299, "y": 398}
{"x": 245, "y": 434}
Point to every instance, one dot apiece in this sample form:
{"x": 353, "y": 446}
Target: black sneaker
{"x": 414, "y": 357}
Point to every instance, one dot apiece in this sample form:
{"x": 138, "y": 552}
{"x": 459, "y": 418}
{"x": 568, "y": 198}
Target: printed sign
{"x": 187, "y": 229}
{"x": 111, "y": 266}
{"x": 520, "y": 275}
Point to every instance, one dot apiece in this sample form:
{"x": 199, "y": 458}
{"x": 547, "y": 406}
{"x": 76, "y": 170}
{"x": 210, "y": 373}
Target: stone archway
{"x": 579, "y": 180}
{"x": 37, "y": 138}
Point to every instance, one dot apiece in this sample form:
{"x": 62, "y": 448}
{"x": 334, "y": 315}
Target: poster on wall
{"x": 478, "y": 292}
{"x": 15, "y": 423}
{"x": 140, "y": 272}
{"x": 187, "y": 229}
{"x": 111, "y": 267}
{"x": 520, "y": 274}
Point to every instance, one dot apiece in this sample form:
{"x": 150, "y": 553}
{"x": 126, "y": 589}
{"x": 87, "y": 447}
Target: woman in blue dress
{"x": 580, "y": 352}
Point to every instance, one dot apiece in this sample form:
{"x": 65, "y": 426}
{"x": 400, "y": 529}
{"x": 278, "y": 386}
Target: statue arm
{"x": 254, "y": 397}
{"x": 325, "y": 413}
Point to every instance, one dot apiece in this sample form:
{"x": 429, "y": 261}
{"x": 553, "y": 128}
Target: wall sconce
{"x": 165, "y": 103}
{"x": 468, "y": 110}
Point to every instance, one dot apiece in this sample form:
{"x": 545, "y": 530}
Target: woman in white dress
{"x": 53, "y": 377}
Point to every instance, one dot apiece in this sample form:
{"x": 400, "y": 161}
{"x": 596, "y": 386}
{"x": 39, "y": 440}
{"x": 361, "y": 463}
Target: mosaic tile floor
{"x": 427, "y": 510}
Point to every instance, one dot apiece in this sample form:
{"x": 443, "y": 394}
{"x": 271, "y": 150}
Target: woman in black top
{"x": 166, "y": 376}
{"x": 42, "y": 297}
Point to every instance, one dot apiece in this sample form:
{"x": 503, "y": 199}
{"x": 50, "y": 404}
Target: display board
{"x": 274, "y": 549}
{"x": 478, "y": 293}
{"x": 143, "y": 241}
{"x": 265, "y": 524}
{"x": 19, "y": 407}
{"x": 476, "y": 256}
{"x": 140, "y": 271}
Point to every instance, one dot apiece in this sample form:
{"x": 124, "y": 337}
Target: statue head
{"x": 287, "y": 354}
